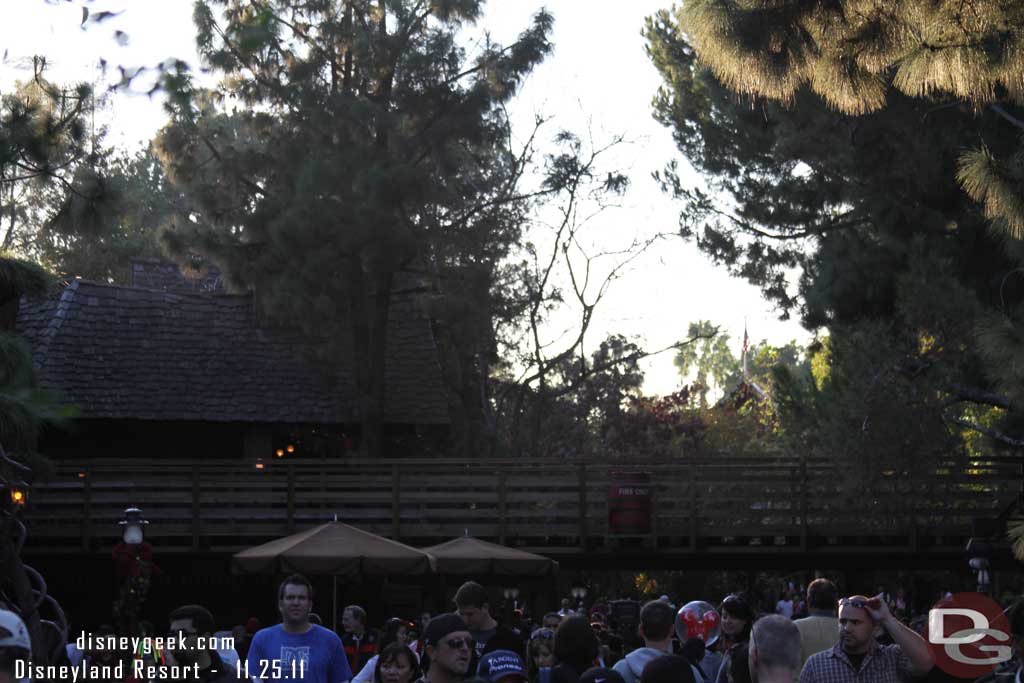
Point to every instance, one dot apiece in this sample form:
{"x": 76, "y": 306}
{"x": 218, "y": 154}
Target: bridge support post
{"x": 502, "y": 507}
{"x": 694, "y": 507}
{"x": 196, "y": 516}
{"x": 396, "y": 518}
{"x": 804, "y": 494}
{"x": 581, "y": 479}
{"x": 86, "y": 509}
{"x": 291, "y": 498}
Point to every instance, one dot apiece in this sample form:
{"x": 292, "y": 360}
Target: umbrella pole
{"x": 334, "y": 602}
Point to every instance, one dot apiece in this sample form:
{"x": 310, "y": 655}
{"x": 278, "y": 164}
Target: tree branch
{"x": 1006, "y": 115}
{"x": 990, "y": 432}
{"x": 245, "y": 181}
{"x": 972, "y": 395}
{"x": 638, "y": 355}
{"x": 749, "y": 227}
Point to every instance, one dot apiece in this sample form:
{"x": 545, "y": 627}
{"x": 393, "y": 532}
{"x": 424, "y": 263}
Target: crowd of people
{"x": 830, "y": 639}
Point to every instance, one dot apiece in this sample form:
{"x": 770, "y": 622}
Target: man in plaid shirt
{"x": 858, "y": 658}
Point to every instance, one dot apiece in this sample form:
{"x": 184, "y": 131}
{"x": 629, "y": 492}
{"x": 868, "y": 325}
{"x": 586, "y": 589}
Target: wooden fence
{"x": 795, "y": 502}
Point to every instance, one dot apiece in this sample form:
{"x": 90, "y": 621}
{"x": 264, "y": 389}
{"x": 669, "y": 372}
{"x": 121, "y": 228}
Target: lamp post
{"x": 978, "y": 552}
{"x": 133, "y": 560}
{"x": 579, "y": 592}
{"x": 133, "y": 523}
{"x": 512, "y": 601}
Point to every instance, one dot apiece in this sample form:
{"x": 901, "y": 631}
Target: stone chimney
{"x": 152, "y": 273}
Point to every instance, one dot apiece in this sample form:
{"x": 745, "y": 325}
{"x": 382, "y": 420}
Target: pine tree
{"x": 97, "y": 240}
{"x": 832, "y": 139}
{"x": 38, "y": 139}
{"x": 46, "y": 149}
{"x": 348, "y": 141}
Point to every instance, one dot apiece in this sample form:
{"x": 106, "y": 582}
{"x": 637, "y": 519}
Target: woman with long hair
{"x": 397, "y": 663}
{"x": 541, "y": 655}
{"x": 396, "y": 632}
{"x": 737, "y": 620}
{"x": 576, "y": 649}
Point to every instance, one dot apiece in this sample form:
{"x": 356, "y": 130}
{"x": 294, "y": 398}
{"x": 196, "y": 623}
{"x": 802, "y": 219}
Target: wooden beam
{"x": 804, "y": 496}
{"x": 502, "y": 507}
{"x": 396, "y": 500}
{"x": 86, "y": 509}
{"x": 196, "y": 517}
{"x": 694, "y": 507}
{"x": 581, "y": 482}
{"x": 290, "y": 500}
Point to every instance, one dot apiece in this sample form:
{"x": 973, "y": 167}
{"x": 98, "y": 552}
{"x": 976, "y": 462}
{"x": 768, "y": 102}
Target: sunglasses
{"x": 458, "y": 643}
{"x": 542, "y": 634}
{"x": 858, "y": 603}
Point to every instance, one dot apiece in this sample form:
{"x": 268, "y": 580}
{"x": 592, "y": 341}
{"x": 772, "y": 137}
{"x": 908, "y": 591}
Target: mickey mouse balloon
{"x": 698, "y": 619}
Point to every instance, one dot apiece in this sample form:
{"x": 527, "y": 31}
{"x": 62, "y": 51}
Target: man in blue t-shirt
{"x": 296, "y": 650}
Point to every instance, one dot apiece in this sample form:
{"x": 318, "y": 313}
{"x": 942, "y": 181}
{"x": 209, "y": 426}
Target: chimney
{"x": 153, "y": 273}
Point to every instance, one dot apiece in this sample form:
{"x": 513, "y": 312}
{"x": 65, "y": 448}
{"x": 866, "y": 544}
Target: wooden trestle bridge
{"x": 719, "y": 505}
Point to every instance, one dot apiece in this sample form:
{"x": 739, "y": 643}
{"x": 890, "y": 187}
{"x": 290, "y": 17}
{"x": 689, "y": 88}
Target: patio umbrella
{"x": 333, "y": 549}
{"x": 468, "y": 555}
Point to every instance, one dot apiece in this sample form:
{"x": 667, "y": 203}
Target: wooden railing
{"x": 795, "y": 502}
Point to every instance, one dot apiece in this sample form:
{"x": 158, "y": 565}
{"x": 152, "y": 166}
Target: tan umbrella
{"x": 333, "y": 549}
{"x": 468, "y": 555}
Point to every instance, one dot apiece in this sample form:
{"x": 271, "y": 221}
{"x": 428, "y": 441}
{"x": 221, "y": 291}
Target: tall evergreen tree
{"x": 97, "y": 240}
{"x": 832, "y": 138}
{"x": 42, "y": 132}
{"x": 47, "y": 145}
{"x": 348, "y": 141}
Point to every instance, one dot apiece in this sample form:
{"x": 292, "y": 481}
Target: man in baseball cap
{"x": 15, "y": 645}
{"x": 502, "y": 665}
{"x": 600, "y": 674}
{"x": 448, "y": 646}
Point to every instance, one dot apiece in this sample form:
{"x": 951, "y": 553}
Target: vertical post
{"x": 396, "y": 520}
{"x": 196, "y": 529}
{"x": 323, "y": 482}
{"x": 652, "y": 539}
{"x": 291, "y": 498}
{"x": 694, "y": 507}
{"x": 502, "y": 506}
{"x": 581, "y": 482}
{"x": 804, "y": 494}
{"x": 86, "y": 509}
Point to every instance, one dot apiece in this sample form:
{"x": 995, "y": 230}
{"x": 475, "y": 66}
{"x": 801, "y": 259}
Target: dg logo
{"x": 969, "y": 635}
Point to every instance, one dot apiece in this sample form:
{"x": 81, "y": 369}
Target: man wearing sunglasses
{"x": 858, "y": 658}
{"x": 448, "y": 647}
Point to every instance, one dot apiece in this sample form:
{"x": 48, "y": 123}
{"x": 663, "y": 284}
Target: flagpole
{"x": 744, "y": 350}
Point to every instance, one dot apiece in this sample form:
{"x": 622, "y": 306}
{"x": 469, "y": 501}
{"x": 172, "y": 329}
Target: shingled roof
{"x": 126, "y": 352}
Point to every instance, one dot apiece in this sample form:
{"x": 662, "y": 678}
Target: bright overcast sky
{"x": 598, "y": 75}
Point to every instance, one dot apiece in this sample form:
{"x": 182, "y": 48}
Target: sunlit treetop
{"x": 851, "y": 51}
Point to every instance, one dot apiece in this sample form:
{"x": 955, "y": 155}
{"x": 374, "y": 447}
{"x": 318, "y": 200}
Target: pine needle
{"x": 994, "y": 186}
{"x": 1015, "y": 534}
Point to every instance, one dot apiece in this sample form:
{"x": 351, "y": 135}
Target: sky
{"x": 598, "y": 79}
